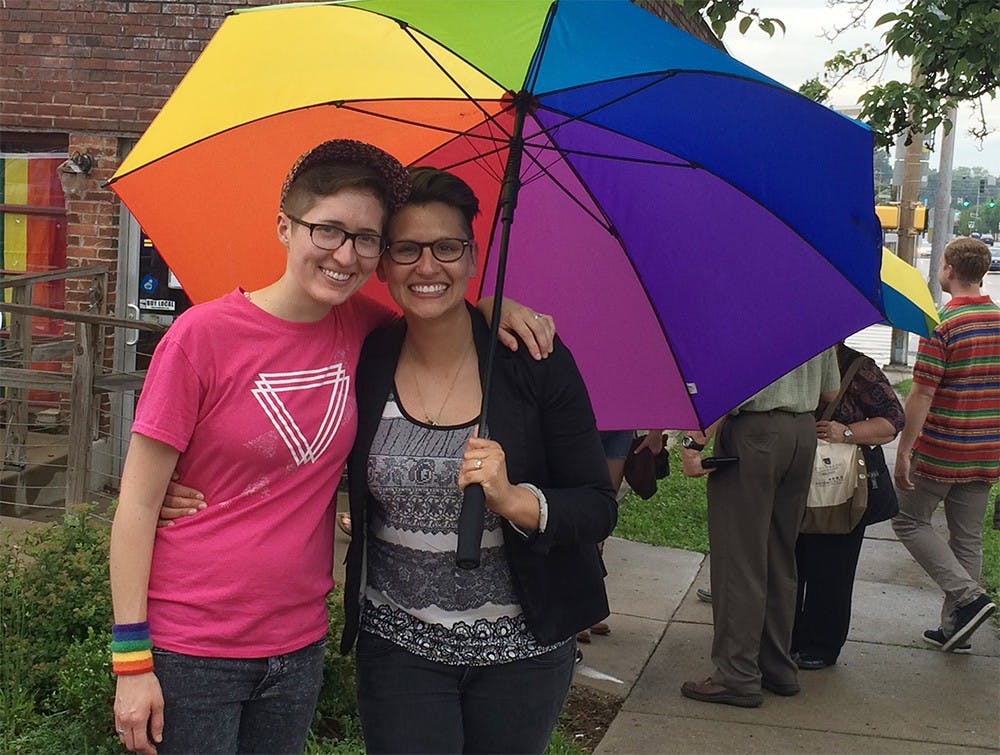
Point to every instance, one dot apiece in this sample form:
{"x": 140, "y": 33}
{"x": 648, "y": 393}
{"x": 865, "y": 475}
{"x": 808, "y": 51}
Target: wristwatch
{"x": 848, "y": 432}
{"x": 691, "y": 443}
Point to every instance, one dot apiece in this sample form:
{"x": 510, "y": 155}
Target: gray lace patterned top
{"x": 415, "y": 595}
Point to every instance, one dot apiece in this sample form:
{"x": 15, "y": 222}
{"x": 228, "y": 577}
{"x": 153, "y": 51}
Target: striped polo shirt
{"x": 960, "y": 439}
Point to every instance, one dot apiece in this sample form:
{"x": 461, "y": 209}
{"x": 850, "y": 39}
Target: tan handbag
{"x": 838, "y": 493}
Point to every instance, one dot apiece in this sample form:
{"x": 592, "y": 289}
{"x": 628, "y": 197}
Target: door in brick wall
{"x": 147, "y": 291}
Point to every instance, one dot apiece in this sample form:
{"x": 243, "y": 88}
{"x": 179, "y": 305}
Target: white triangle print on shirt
{"x": 271, "y": 384}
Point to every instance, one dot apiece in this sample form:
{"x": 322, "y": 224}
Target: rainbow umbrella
{"x": 906, "y": 300}
{"x": 696, "y": 228}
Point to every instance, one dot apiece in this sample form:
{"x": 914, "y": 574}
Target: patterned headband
{"x": 349, "y": 151}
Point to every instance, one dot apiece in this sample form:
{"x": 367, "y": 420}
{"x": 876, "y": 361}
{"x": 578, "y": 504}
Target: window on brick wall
{"x": 33, "y": 215}
{"x": 33, "y": 231}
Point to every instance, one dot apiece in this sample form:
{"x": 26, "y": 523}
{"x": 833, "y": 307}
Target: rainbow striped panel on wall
{"x": 33, "y": 237}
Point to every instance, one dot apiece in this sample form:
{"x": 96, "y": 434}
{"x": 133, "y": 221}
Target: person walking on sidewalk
{"x": 755, "y": 507}
{"x": 952, "y": 433}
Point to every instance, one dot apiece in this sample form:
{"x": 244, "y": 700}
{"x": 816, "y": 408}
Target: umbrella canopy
{"x": 696, "y": 228}
{"x": 906, "y": 300}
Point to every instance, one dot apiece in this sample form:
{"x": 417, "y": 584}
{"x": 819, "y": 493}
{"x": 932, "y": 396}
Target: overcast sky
{"x": 799, "y": 55}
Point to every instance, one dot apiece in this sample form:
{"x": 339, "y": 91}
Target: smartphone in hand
{"x": 714, "y": 462}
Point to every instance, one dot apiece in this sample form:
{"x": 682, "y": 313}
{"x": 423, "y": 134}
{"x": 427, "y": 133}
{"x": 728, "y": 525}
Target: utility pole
{"x": 943, "y": 221}
{"x": 909, "y": 191}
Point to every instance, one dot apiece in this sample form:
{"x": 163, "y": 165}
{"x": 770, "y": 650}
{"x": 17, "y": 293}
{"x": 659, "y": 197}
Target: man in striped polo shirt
{"x": 949, "y": 449}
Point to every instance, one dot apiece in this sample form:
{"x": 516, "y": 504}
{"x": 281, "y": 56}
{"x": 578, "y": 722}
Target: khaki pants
{"x": 956, "y": 564}
{"x": 755, "y": 509}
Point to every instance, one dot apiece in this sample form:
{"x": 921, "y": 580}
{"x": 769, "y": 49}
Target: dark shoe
{"x": 937, "y": 638}
{"x": 705, "y": 596}
{"x": 967, "y": 620}
{"x": 713, "y": 692}
{"x": 601, "y": 629}
{"x": 579, "y": 656}
{"x": 785, "y": 689}
{"x": 809, "y": 662}
{"x": 583, "y": 636}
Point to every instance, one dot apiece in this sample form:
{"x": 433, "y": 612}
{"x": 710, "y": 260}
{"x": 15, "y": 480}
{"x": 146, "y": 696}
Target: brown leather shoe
{"x": 709, "y": 691}
{"x": 583, "y": 636}
{"x": 601, "y": 628}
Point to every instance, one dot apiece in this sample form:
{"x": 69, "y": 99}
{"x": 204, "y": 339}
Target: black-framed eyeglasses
{"x": 331, "y": 238}
{"x": 444, "y": 250}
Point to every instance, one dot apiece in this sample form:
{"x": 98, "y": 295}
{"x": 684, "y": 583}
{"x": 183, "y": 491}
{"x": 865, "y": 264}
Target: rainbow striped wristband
{"x": 131, "y": 649}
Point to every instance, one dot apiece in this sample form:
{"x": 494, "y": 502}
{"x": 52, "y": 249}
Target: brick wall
{"x": 97, "y": 65}
{"x": 98, "y": 71}
{"x": 106, "y": 66}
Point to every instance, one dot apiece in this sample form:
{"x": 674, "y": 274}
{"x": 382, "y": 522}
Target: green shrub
{"x": 336, "y": 727}
{"x": 56, "y": 687}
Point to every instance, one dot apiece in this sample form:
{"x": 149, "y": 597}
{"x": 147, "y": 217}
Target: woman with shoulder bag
{"x": 869, "y": 414}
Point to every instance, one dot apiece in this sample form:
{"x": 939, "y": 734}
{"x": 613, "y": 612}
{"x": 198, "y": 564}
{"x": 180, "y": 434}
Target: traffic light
{"x": 966, "y": 203}
{"x": 991, "y": 204}
{"x": 982, "y": 185}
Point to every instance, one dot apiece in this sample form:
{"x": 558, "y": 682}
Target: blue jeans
{"x": 230, "y": 705}
{"x": 409, "y": 704}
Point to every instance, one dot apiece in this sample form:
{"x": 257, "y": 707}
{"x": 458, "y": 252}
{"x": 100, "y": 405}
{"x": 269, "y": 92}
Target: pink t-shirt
{"x": 263, "y": 413}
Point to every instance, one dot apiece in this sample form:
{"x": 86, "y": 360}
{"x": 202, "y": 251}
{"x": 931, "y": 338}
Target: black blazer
{"x": 541, "y": 414}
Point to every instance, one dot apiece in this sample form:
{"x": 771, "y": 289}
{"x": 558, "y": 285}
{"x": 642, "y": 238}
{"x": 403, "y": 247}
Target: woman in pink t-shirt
{"x": 251, "y": 399}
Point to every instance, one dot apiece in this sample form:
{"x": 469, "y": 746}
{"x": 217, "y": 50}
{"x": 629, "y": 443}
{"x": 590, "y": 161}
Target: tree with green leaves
{"x": 953, "y": 44}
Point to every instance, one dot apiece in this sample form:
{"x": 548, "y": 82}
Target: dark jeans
{"x": 229, "y": 705}
{"x": 409, "y": 704}
{"x": 826, "y": 565}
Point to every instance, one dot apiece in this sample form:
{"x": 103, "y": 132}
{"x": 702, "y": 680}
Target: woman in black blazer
{"x": 450, "y": 660}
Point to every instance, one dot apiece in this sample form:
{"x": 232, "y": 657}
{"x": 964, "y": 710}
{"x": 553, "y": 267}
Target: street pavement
{"x": 888, "y": 693}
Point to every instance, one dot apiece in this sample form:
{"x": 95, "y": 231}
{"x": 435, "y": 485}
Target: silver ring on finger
{"x": 479, "y": 463}
{"x": 538, "y": 316}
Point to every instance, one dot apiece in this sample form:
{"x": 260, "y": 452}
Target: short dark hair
{"x": 339, "y": 164}
{"x": 969, "y": 258}
{"x": 434, "y": 185}
{"x": 332, "y": 178}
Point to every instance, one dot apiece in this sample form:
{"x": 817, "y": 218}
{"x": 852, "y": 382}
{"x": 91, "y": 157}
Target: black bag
{"x": 882, "y": 502}
{"x": 642, "y": 470}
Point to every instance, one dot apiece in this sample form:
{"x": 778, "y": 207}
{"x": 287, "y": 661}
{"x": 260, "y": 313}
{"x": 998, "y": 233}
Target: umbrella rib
{"x": 452, "y": 79}
{"x": 620, "y": 158}
{"x": 602, "y": 220}
{"x": 663, "y": 76}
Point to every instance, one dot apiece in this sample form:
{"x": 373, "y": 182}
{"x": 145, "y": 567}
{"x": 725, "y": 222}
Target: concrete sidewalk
{"x": 889, "y": 692}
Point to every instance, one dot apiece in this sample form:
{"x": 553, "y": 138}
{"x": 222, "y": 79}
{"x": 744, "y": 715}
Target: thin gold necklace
{"x": 433, "y": 421}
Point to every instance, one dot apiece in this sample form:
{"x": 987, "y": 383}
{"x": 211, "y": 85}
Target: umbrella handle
{"x": 470, "y": 527}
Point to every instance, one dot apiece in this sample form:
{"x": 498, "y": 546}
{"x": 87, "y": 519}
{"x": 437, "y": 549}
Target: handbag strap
{"x": 845, "y": 381}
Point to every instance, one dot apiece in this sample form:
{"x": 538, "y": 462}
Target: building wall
{"x": 98, "y": 71}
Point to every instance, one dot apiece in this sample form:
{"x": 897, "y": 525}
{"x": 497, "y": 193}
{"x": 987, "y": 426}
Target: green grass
{"x": 676, "y": 516}
{"x": 991, "y": 551}
{"x": 903, "y": 387}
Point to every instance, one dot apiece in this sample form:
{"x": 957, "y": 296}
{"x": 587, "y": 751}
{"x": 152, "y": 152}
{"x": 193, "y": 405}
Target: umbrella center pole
{"x": 508, "y": 199}
{"x": 471, "y": 516}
